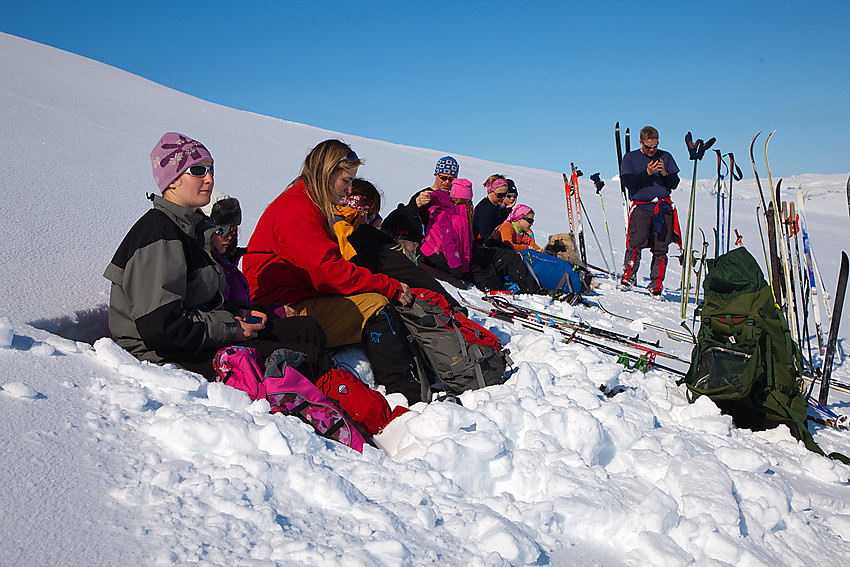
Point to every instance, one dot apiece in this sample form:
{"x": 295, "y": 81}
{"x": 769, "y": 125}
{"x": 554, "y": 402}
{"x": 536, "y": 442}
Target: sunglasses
{"x": 528, "y": 220}
{"x": 199, "y": 170}
{"x": 499, "y": 195}
{"x": 648, "y": 147}
{"x": 510, "y": 196}
{"x": 225, "y": 230}
{"x": 446, "y": 177}
{"x": 350, "y": 157}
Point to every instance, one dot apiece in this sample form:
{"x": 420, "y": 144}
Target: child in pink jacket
{"x": 448, "y": 236}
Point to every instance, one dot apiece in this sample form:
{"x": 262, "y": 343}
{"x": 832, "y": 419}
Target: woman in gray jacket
{"x": 167, "y": 302}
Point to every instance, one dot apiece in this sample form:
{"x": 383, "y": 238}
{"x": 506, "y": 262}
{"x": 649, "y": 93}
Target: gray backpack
{"x": 452, "y": 353}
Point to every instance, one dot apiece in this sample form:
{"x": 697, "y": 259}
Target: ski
{"x": 788, "y": 301}
{"x": 776, "y": 283}
{"x": 805, "y": 284}
{"x": 833, "y": 384}
{"x": 674, "y": 335}
{"x": 567, "y": 192}
{"x": 763, "y": 210}
{"x": 576, "y": 173}
{"x": 815, "y": 280}
{"x": 826, "y": 369}
{"x": 568, "y": 325}
{"x": 625, "y": 194}
{"x": 573, "y": 335}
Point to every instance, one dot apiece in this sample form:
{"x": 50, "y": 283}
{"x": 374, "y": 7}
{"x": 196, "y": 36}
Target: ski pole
{"x": 599, "y": 184}
{"x": 699, "y": 275}
{"x": 696, "y": 151}
{"x": 734, "y": 175}
{"x": 593, "y": 232}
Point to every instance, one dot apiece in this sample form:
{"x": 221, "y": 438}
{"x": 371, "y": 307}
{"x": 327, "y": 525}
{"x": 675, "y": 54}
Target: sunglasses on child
{"x": 225, "y": 230}
{"x": 199, "y": 170}
{"x": 528, "y": 220}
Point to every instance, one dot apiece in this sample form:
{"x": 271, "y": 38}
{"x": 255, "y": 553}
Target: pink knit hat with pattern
{"x": 518, "y": 212}
{"x": 496, "y": 184}
{"x": 173, "y": 155}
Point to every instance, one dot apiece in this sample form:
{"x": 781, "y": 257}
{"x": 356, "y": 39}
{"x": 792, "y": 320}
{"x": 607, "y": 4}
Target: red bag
{"x": 365, "y": 406}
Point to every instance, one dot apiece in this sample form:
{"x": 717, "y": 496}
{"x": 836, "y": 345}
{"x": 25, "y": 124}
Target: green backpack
{"x": 745, "y": 359}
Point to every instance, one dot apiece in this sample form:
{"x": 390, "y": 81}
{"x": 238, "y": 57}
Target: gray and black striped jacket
{"x": 167, "y": 292}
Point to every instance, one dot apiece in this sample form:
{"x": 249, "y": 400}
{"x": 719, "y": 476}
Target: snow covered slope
{"x": 108, "y": 461}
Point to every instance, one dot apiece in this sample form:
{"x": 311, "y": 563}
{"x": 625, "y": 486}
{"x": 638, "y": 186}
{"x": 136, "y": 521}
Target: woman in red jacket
{"x": 293, "y": 258}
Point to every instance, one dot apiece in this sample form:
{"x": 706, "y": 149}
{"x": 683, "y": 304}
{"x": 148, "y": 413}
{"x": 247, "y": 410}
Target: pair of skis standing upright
{"x": 784, "y": 223}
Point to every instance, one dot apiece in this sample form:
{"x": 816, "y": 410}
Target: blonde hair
{"x": 469, "y": 210}
{"x": 493, "y": 178}
{"x": 320, "y": 163}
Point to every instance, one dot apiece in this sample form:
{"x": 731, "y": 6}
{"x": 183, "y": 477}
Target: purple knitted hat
{"x": 518, "y": 212}
{"x": 173, "y": 155}
{"x": 462, "y": 189}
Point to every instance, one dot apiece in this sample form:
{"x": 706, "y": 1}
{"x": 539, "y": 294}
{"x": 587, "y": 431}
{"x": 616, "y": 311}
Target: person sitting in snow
{"x": 510, "y": 200}
{"x": 487, "y": 214}
{"x": 167, "y": 298}
{"x": 516, "y": 230}
{"x": 226, "y": 213}
{"x": 294, "y": 258}
{"x": 446, "y": 171}
{"x": 448, "y": 234}
{"x": 376, "y": 250}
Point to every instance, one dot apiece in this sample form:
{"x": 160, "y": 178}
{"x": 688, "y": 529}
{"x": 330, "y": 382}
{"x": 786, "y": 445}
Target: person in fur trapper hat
{"x": 226, "y": 213}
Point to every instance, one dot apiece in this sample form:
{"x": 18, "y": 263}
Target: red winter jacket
{"x": 291, "y": 257}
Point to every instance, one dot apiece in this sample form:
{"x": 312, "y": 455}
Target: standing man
{"x": 650, "y": 175}
{"x": 446, "y": 171}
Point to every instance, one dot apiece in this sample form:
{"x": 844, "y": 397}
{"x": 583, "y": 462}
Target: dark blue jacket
{"x": 643, "y": 187}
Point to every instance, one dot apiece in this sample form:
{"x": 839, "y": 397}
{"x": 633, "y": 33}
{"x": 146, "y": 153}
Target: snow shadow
{"x": 86, "y": 325}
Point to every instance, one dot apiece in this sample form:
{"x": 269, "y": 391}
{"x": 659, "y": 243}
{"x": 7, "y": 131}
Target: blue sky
{"x": 539, "y": 84}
